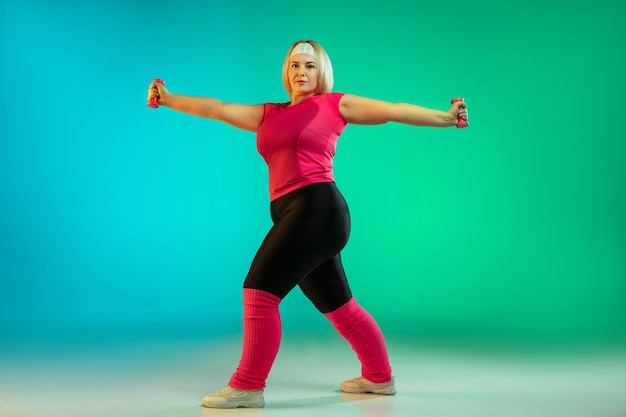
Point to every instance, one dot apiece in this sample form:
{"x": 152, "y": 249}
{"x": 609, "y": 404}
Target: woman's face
{"x": 303, "y": 75}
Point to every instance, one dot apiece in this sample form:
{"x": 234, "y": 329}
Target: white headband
{"x": 303, "y": 48}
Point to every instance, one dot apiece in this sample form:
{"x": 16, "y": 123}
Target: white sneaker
{"x": 229, "y": 397}
{"x": 361, "y": 385}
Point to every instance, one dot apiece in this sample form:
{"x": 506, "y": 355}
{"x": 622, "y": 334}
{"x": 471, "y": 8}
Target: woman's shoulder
{"x": 332, "y": 101}
{"x": 274, "y": 107}
{"x": 275, "y": 104}
{"x": 333, "y": 95}
{"x": 332, "y": 98}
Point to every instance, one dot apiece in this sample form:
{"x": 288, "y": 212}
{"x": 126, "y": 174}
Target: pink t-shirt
{"x": 298, "y": 143}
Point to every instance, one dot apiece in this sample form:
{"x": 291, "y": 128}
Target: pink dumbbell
{"x": 461, "y": 122}
{"x": 154, "y": 101}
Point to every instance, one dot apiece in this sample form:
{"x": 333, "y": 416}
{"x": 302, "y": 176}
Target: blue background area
{"x": 117, "y": 216}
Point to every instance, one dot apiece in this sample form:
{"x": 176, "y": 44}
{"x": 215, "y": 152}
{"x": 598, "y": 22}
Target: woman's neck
{"x": 299, "y": 99}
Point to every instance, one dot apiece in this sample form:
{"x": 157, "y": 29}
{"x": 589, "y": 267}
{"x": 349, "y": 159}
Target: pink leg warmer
{"x": 261, "y": 339}
{"x": 358, "y": 327}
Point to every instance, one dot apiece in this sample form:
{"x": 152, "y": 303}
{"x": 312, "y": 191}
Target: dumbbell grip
{"x": 154, "y": 101}
{"x": 460, "y": 122}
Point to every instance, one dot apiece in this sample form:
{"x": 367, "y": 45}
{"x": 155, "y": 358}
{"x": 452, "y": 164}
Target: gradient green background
{"x": 119, "y": 217}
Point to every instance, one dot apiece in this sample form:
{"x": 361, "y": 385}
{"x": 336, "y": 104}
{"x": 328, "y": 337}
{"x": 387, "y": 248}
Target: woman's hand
{"x": 158, "y": 90}
{"x": 458, "y": 110}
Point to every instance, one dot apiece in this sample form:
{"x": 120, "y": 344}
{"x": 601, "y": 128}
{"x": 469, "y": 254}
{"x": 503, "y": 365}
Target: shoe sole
{"x": 366, "y": 391}
{"x": 240, "y": 404}
{"x": 362, "y": 390}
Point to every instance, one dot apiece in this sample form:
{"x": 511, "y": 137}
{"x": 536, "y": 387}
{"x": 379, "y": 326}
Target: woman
{"x": 297, "y": 139}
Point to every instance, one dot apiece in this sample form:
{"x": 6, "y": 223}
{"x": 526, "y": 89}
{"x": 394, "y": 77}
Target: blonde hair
{"x": 325, "y": 78}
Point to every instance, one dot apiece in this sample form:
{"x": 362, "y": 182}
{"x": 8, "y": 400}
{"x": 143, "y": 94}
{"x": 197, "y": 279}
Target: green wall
{"x": 119, "y": 216}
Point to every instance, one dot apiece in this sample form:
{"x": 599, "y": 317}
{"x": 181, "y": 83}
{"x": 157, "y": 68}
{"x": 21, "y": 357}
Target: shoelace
{"x": 224, "y": 390}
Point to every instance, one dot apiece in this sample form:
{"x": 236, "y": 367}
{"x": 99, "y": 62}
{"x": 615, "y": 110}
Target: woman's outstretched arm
{"x": 243, "y": 116}
{"x": 367, "y": 111}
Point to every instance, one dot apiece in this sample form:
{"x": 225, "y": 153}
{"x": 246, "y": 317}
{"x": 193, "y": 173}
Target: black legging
{"x": 311, "y": 227}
